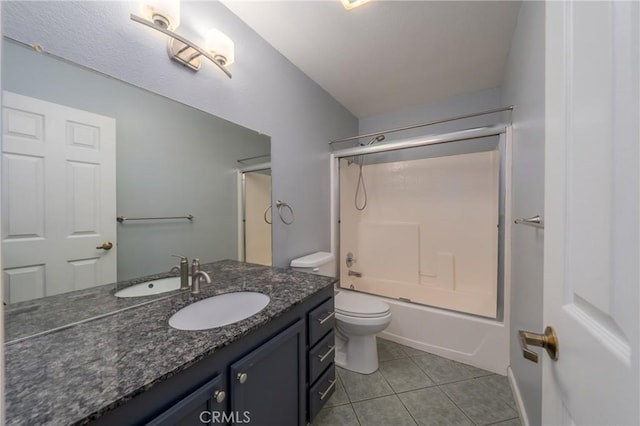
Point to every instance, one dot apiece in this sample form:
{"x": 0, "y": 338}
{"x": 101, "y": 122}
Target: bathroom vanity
{"x": 131, "y": 367}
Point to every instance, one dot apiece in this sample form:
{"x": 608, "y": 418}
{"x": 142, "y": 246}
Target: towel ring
{"x": 265, "y": 214}
{"x": 281, "y": 205}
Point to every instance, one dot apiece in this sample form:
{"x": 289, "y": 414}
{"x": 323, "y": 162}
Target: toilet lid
{"x": 359, "y": 305}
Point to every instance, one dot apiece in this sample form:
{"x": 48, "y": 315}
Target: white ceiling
{"x": 386, "y": 54}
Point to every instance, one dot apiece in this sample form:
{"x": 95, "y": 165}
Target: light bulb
{"x": 165, "y": 13}
{"x": 220, "y": 46}
{"x": 352, "y": 4}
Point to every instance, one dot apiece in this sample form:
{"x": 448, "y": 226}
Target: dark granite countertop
{"x": 36, "y": 316}
{"x": 77, "y": 373}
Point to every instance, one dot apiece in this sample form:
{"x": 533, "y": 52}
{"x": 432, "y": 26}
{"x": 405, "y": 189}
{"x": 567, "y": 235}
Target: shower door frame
{"x": 504, "y": 132}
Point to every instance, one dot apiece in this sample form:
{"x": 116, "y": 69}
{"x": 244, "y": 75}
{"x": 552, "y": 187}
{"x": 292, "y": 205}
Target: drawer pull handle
{"x": 242, "y": 377}
{"x": 324, "y": 394}
{"x": 327, "y": 318}
{"x": 323, "y": 357}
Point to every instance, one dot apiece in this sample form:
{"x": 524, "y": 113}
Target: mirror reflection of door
{"x": 257, "y": 216}
{"x": 58, "y": 199}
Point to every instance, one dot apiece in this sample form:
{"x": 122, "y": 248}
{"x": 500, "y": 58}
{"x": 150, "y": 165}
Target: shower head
{"x": 378, "y": 138}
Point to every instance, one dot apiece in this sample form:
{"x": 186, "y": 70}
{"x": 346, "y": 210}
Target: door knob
{"x": 548, "y": 340}
{"x": 105, "y": 246}
{"x": 242, "y": 377}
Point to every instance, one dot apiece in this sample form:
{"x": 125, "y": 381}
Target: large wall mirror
{"x": 81, "y": 149}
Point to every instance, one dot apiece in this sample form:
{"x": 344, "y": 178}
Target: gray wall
{"x": 524, "y": 86}
{"x": 267, "y": 93}
{"x": 172, "y": 160}
{"x": 447, "y": 108}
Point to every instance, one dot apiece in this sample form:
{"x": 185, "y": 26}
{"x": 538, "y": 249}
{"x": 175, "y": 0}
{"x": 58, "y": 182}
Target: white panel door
{"x": 592, "y": 208}
{"x": 58, "y": 198}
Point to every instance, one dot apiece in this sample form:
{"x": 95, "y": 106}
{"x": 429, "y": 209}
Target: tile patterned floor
{"x": 418, "y": 388}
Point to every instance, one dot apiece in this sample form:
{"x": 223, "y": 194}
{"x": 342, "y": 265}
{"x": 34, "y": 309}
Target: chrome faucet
{"x": 197, "y": 275}
{"x": 354, "y": 274}
{"x": 183, "y": 270}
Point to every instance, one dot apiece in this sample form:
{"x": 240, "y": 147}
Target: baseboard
{"x": 522, "y": 412}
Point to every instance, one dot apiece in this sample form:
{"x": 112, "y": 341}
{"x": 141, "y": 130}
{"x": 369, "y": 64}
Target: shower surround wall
{"x": 428, "y": 233}
{"x": 474, "y": 340}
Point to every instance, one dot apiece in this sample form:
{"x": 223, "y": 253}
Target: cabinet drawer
{"x": 321, "y": 356}
{"x": 320, "y": 393}
{"x": 321, "y": 321}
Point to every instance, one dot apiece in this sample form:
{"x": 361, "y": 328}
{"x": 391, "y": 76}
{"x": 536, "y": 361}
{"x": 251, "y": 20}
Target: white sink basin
{"x": 149, "y": 288}
{"x": 219, "y": 310}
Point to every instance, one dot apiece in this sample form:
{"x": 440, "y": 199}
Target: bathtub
{"x": 476, "y": 341}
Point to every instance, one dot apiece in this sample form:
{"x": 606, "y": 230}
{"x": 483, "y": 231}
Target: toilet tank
{"x": 321, "y": 263}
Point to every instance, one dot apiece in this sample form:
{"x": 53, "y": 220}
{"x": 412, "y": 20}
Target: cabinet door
{"x": 205, "y": 405}
{"x": 267, "y": 385}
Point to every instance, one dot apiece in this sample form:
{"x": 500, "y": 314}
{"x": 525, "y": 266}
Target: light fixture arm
{"x": 181, "y": 40}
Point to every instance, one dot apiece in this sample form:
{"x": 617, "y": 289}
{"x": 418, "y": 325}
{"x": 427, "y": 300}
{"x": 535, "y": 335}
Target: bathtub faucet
{"x": 355, "y": 274}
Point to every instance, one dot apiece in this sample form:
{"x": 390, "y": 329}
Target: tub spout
{"x": 355, "y": 274}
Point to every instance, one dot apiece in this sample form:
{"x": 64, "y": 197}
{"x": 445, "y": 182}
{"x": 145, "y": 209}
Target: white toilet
{"x": 358, "y": 318}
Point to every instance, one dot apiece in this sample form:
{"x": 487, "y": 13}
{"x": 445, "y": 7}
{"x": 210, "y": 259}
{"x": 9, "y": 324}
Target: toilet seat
{"x": 360, "y": 306}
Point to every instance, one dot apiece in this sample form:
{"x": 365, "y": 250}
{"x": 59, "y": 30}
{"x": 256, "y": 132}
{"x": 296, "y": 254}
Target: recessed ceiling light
{"x": 352, "y": 4}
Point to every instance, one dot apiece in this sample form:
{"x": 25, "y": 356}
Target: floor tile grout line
{"x": 373, "y": 397}
{"x": 408, "y": 411}
{"x": 425, "y": 372}
{"x": 385, "y": 379}
{"x": 456, "y": 405}
{"x": 344, "y": 388}
{"x": 336, "y": 405}
{"x": 500, "y": 398}
{"x": 385, "y": 396}
{"x": 355, "y": 413}
{"x": 458, "y": 381}
{"x": 461, "y": 409}
{"x": 394, "y": 389}
{"x": 438, "y": 386}
{"x": 502, "y": 421}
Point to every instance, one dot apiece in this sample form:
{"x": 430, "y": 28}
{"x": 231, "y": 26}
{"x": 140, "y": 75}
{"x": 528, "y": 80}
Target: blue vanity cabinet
{"x": 264, "y": 375}
{"x": 267, "y": 383}
{"x": 204, "y": 406}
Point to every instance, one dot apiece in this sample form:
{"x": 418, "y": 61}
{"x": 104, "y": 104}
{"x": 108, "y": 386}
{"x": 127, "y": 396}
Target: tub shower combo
{"x": 420, "y": 224}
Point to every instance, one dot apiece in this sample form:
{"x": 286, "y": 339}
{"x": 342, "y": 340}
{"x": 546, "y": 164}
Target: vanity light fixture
{"x": 164, "y": 16}
{"x": 352, "y": 4}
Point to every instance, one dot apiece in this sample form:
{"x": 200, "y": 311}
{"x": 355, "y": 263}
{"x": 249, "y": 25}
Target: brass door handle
{"x": 105, "y": 246}
{"x": 548, "y": 340}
